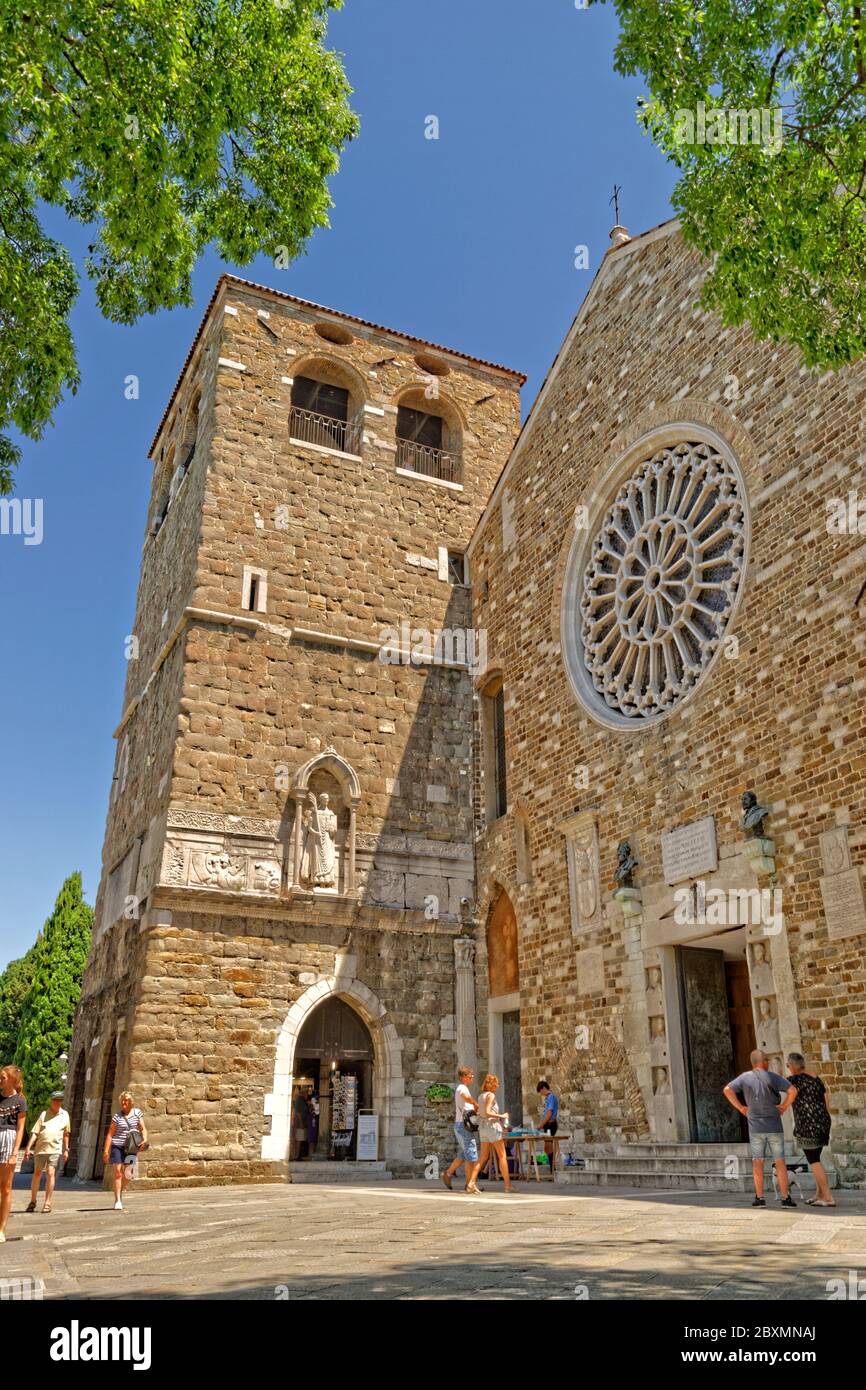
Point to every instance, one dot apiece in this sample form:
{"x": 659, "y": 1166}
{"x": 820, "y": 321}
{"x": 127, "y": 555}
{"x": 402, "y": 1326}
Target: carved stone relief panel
{"x": 659, "y": 1048}
{"x": 581, "y": 841}
{"x": 221, "y": 862}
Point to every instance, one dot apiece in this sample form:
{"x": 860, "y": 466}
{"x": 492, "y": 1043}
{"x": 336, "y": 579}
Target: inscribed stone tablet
{"x": 844, "y": 907}
{"x": 690, "y": 851}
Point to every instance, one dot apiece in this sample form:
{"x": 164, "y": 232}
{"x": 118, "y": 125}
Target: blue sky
{"x": 467, "y": 240}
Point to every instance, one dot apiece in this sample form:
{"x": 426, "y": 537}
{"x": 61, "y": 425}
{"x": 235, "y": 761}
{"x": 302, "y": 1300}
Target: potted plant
{"x": 439, "y": 1093}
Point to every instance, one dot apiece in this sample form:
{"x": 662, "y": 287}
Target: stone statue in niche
{"x": 654, "y": 1002}
{"x": 661, "y": 1082}
{"x": 762, "y": 971}
{"x": 658, "y": 1038}
{"x": 768, "y": 1028}
{"x": 777, "y": 1065}
{"x": 319, "y": 862}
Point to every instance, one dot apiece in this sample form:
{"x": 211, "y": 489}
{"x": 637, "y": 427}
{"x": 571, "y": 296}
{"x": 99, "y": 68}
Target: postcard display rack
{"x": 344, "y": 1111}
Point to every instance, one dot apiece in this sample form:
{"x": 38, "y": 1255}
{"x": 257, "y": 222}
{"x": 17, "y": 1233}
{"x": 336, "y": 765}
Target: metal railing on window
{"x": 433, "y": 463}
{"x": 325, "y": 430}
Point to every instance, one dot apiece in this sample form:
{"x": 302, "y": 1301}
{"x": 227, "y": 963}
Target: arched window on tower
{"x": 327, "y": 407}
{"x": 428, "y": 437}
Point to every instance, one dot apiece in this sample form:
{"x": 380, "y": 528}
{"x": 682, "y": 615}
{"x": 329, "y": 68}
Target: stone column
{"x": 349, "y": 877}
{"x": 297, "y": 841}
{"x": 464, "y": 971}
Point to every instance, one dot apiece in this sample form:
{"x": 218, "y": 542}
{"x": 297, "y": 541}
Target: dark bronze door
{"x": 709, "y": 1051}
{"x": 510, "y": 1097}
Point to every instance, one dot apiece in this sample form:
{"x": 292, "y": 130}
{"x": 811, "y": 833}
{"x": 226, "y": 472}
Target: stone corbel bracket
{"x": 629, "y": 900}
{"x": 761, "y": 854}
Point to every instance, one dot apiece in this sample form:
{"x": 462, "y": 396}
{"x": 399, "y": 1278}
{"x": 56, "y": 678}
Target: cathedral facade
{"x": 448, "y": 742}
{"x": 676, "y": 617}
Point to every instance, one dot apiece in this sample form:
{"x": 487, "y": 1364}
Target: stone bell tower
{"x": 290, "y": 822}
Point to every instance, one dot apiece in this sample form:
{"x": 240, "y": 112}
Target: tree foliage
{"x": 49, "y": 1007}
{"x": 784, "y": 222}
{"x": 15, "y": 982}
{"x": 164, "y": 126}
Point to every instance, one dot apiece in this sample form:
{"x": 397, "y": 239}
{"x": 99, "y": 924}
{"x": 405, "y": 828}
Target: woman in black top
{"x": 13, "y": 1108}
{"x": 812, "y": 1124}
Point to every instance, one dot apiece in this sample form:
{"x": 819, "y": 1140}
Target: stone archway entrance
{"x": 332, "y": 1082}
{"x": 388, "y": 1091}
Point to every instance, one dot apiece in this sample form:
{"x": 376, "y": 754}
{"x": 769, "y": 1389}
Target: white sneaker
{"x": 118, "y": 1206}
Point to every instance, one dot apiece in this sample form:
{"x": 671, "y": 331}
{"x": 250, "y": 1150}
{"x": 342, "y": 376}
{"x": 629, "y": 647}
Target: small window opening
{"x": 456, "y": 567}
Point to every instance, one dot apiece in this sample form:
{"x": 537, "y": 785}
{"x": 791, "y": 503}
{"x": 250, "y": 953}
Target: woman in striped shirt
{"x": 127, "y": 1119}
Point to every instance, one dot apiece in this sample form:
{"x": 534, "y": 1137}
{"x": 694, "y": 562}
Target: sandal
{"x": 46, "y": 1209}
{"x": 31, "y": 1206}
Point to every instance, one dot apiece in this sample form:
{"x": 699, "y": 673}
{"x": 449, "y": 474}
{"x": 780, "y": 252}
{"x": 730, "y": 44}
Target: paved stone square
{"x": 413, "y": 1240}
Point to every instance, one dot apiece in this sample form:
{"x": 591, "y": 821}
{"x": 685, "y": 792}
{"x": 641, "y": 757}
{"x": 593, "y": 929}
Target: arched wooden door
{"x": 105, "y": 1110}
{"x": 332, "y": 1082}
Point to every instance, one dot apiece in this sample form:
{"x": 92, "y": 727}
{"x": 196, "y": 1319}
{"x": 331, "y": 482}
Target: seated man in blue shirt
{"x": 549, "y": 1122}
{"x": 762, "y": 1091}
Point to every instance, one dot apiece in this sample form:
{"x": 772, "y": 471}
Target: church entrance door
{"x": 709, "y": 1042}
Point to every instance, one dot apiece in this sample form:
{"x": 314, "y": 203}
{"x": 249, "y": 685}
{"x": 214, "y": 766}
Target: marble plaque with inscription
{"x": 690, "y": 850}
{"x": 844, "y": 906}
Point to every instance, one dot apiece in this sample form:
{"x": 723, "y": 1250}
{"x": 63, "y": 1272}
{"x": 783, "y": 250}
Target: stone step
{"x": 346, "y": 1171}
{"x": 673, "y": 1163}
{"x": 680, "y": 1150}
{"x": 678, "y": 1180}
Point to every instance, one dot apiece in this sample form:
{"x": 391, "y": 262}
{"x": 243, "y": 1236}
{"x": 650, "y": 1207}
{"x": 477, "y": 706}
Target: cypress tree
{"x": 49, "y": 1007}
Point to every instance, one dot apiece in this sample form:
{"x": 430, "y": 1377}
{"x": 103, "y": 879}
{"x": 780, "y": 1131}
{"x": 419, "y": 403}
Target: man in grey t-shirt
{"x": 762, "y": 1091}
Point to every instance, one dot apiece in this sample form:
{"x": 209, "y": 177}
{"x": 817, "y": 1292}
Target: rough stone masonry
{"x": 290, "y": 529}
{"x": 668, "y": 624}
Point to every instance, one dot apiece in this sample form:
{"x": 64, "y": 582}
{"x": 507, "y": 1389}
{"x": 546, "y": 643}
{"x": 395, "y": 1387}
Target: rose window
{"x": 661, "y": 580}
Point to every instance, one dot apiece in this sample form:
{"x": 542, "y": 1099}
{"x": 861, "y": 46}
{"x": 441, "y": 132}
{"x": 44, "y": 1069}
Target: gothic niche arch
{"x": 326, "y": 793}
{"x": 503, "y": 970}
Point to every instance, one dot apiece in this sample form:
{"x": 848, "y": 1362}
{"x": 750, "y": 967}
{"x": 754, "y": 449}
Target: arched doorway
{"x": 504, "y": 1005}
{"x": 332, "y": 1082}
{"x": 76, "y": 1115}
{"x": 105, "y": 1110}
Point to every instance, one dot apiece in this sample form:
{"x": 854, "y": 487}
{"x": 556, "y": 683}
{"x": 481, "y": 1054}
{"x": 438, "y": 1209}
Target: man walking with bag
{"x": 467, "y": 1137}
{"x": 50, "y": 1138}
